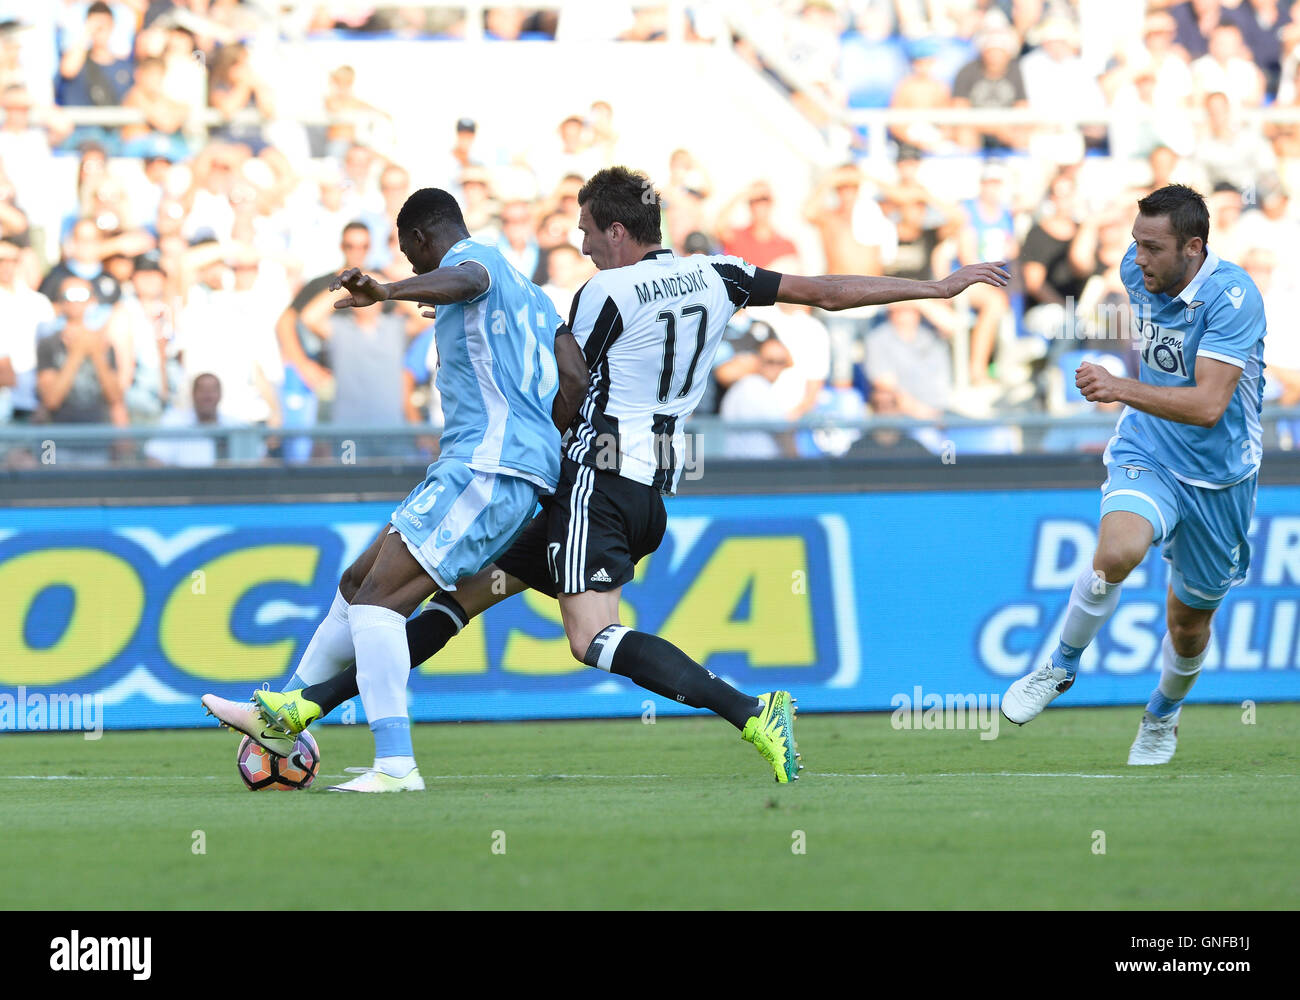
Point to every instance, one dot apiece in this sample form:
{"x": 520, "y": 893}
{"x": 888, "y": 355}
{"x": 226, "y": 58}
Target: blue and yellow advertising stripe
{"x": 846, "y": 598}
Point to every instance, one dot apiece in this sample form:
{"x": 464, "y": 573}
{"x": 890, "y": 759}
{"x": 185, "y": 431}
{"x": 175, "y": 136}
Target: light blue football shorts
{"x": 459, "y": 520}
{"x": 1203, "y": 531}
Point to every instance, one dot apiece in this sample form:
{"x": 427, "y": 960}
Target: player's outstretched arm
{"x": 574, "y": 378}
{"x": 438, "y": 287}
{"x": 1201, "y": 405}
{"x": 847, "y": 291}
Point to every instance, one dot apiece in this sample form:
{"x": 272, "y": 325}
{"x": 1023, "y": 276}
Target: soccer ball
{"x": 260, "y": 769}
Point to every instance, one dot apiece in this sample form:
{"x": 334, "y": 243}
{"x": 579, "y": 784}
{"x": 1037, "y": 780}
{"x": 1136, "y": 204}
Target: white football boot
{"x": 371, "y": 780}
{"x": 244, "y": 717}
{"x": 1157, "y": 739}
{"x": 1031, "y": 694}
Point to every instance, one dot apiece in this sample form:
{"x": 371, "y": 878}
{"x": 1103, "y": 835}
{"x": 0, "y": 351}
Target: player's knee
{"x": 1117, "y": 559}
{"x": 579, "y": 643}
{"x": 350, "y": 583}
{"x": 1188, "y": 636}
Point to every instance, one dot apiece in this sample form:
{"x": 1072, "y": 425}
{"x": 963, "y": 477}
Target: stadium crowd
{"x": 183, "y": 279}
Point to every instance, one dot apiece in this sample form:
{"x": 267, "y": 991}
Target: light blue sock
{"x": 1067, "y": 658}
{"x": 1162, "y": 707}
{"x": 294, "y": 683}
{"x": 392, "y": 737}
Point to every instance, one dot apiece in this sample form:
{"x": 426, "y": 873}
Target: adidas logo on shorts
{"x": 600, "y": 576}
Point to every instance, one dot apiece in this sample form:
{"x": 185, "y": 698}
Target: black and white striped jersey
{"x": 650, "y": 331}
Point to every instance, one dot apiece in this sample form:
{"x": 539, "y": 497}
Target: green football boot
{"x": 772, "y": 733}
{"x": 286, "y": 710}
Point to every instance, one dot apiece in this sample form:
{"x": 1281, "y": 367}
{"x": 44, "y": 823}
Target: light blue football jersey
{"x": 497, "y": 373}
{"x": 1219, "y": 315}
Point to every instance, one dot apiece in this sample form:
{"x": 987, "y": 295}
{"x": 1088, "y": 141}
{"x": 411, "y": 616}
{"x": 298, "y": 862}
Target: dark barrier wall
{"x": 859, "y": 587}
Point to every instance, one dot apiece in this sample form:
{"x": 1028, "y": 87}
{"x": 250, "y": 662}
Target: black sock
{"x": 659, "y": 666}
{"x": 425, "y": 634}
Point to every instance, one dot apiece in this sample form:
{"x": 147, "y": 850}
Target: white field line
{"x": 1144, "y": 773}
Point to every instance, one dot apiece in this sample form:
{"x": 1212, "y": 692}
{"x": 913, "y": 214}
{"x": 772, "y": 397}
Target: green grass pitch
{"x": 680, "y": 814}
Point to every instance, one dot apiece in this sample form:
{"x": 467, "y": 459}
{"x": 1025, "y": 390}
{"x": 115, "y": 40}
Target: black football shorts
{"x": 589, "y": 535}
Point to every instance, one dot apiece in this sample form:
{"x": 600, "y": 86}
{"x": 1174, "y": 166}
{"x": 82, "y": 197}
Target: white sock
{"x": 330, "y": 649}
{"x": 383, "y": 660}
{"x": 1177, "y": 675}
{"x": 396, "y": 767}
{"x": 1092, "y": 602}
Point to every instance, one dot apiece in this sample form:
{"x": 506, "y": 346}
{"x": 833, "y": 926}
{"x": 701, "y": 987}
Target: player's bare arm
{"x": 441, "y": 286}
{"x": 1201, "y": 404}
{"x": 574, "y": 378}
{"x": 847, "y": 291}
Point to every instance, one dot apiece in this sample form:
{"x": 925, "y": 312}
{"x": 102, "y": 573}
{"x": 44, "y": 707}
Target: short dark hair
{"x": 430, "y": 208}
{"x": 617, "y": 194}
{"x": 99, "y": 7}
{"x": 355, "y": 224}
{"x": 1185, "y": 207}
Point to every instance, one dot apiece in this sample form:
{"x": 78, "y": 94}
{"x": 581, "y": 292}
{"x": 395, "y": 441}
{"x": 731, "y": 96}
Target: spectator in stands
{"x": 143, "y": 333}
{"x": 1051, "y": 272}
{"x": 988, "y": 233}
{"x": 1195, "y": 22}
{"x": 886, "y": 442}
{"x": 812, "y": 48}
{"x": 217, "y": 333}
{"x": 1228, "y": 152}
{"x": 1167, "y": 63}
{"x": 164, "y": 117}
{"x": 570, "y": 155}
{"x": 368, "y": 350}
{"x": 233, "y": 87}
{"x": 1261, "y": 23}
{"x": 394, "y": 189}
{"x": 1270, "y": 225}
{"x": 1056, "y": 79}
{"x": 922, "y": 228}
{"x": 25, "y": 312}
{"x": 518, "y": 242}
{"x": 850, "y": 241}
{"x": 308, "y": 367}
{"x": 553, "y": 232}
{"x": 90, "y": 73}
{"x": 341, "y": 100}
{"x": 186, "y": 76}
{"x": 800, "y": 385}
{"x": 759, "y": 242}
{"x": 479, "y": 206}
{"x": 1227, "y": 68}
{"x": 684, "y": 197}
{"x": 566, "y": 271}
{"x": 913, "y": 359}
{"x": 1225, "y": 206}
{"x": 76, "y": 372}
{"x": 360, "y": 181}
{"x": 83, "y": 255}
{"x": 992, "y": 81}
{"x": 922, "y": 88}
{"x": 756, "y": 398}
{"x": 25, "y": 147}
{"x": 460, "y": 158}
{"x": 315, "y": 232}
{"x": 203, "y": 411}
{"x": 602, "y": 136}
